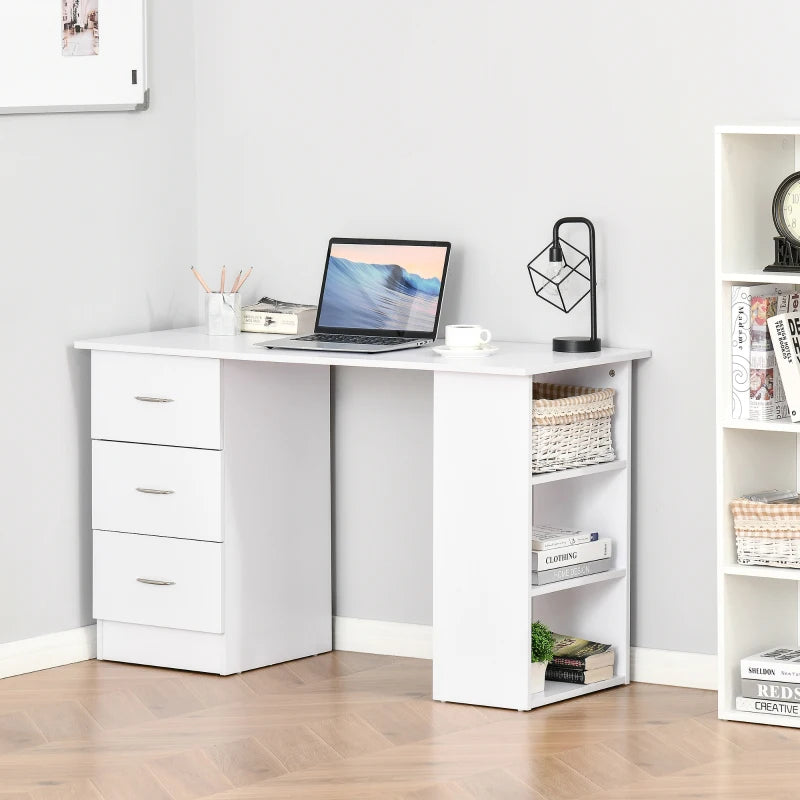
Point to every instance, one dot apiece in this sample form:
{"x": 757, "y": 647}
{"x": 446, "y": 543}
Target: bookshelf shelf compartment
{"x": 574, "y": 583}
{"x": 555, "y": 691}
{"x": 577, "y": 472}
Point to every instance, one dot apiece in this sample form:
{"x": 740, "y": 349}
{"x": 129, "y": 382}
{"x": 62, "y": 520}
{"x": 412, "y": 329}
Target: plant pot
{"x": 536, "y": 676}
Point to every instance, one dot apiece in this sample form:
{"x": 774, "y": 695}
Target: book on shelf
{"x": 780, "y": 664}
{"x": 774, "y": 496}
{"x": 543, "y": 560}
{"x": 585, "y": 676}
{"x": 771, "y": 690}
{"x": 768, "y": 706}
{"x": 756, "y": 388}
{"x": 583, "y": 654}
{"x": 784, "y": 331}
{"x": 277, "y": 316}
{"x": 573, "y": 571}
{"x": 549, "y": 537}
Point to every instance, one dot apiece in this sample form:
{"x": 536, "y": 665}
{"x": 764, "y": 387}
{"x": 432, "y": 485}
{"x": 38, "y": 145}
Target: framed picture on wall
{"x": 73, "y": 55}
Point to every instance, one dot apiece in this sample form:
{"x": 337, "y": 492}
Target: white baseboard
{"x": 670, "y": 667}
{"x": 384, "y": 638}
{"x": 673, "y": 668}
{"x": 52, "y": 650}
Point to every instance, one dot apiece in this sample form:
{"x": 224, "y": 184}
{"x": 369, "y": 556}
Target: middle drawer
{"x": 157, "y": 490}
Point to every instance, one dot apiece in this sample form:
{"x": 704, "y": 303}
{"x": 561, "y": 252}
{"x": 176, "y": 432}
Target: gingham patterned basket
{"x": 767, "y": 534}
{"x": 571, "y": 426}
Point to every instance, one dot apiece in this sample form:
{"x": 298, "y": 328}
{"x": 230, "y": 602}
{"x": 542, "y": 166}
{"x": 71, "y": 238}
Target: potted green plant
{"x": 541, "y": 653}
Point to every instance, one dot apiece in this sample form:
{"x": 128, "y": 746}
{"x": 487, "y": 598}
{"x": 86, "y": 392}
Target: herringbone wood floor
{"x": 352, "y": 725}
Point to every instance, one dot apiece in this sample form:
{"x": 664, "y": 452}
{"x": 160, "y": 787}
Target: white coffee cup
{"x": 466, "y": 336}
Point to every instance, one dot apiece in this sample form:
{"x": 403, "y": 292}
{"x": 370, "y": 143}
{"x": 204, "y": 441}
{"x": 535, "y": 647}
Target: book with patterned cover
{"x": 571, "y": 651}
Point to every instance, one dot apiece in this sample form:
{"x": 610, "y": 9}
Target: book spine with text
{"x": 575, "y": 571}
{"x": 768, "y": 669}
{"x": 763, "y": 369}
{"x": 740, "y": 351}
{"x": 768, "y": 707}
{"x": 564, "y": 541}
{"x": 566, "y": 556}
{"x": 785, "y": 332}
{"x": 771, "y": 690}
{"x": 254, "y": 321}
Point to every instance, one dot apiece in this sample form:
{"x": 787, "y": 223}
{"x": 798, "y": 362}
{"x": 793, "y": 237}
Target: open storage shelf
{"x": 485, "y": 604}
{"x": 555, "y": 691}
{"x": 757, "y": 605}
{"x": 594, "y": 606}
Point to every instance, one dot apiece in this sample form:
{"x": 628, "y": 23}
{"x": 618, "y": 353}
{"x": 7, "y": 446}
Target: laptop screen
{"x": 383, "y": 287}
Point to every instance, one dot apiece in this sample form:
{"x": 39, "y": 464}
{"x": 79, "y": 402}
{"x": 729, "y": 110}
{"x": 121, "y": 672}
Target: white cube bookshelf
{"x": 757, "y": 606}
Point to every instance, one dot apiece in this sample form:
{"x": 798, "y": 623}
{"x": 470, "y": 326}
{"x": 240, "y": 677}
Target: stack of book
{"x": 579, "y": 660}
{"x": 563, "y": 553}
{"x": 277, "y": 316}
{"x": 771, "y": 682}
{"x": 756, "y": 386}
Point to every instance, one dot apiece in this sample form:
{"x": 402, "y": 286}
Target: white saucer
{"x": 466, "y": 352}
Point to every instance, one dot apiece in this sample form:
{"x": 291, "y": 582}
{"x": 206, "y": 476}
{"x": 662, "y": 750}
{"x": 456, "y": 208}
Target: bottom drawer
{"x": 154, "y": 580}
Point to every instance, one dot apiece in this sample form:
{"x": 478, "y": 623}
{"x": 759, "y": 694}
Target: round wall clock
{"x": 786, "y": 208}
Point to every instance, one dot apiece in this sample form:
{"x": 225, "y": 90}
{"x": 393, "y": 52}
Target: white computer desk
{"x": 237, "y": 559}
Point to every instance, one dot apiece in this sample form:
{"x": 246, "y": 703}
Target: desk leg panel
{"x": 277, "y": 508}
{"x": 481, "y": 539}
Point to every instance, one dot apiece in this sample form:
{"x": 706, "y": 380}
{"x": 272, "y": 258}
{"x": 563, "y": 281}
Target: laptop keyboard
{"x": 339, "y": 338}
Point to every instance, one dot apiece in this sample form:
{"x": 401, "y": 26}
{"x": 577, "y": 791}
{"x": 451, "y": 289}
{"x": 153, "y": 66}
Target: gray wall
{"x": 482, "y": 122}
{"x": 437, "y": 119}
{"x": 97, "y": 227}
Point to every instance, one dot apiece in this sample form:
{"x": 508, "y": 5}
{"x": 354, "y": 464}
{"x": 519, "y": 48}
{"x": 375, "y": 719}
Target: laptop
{"x": 377, "y": 295}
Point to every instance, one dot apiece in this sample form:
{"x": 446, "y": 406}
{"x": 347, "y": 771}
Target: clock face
{"x": 790, "y": 211}
{"x": 786, "y": 208}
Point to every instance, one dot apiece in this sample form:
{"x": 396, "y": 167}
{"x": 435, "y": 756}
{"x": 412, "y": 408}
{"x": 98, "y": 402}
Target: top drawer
{"x": 172, "y": 400}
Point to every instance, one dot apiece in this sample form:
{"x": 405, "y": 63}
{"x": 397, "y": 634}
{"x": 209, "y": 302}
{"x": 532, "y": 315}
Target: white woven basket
{"x": 767, "y": 534}
{"x": 571, "y": 426}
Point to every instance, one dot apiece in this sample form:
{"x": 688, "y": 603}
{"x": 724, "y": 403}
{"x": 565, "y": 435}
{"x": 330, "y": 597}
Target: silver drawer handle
{"x": 154, "y": 582}
{"x": 154, "y": 491}
{"x": 146, "y": 399}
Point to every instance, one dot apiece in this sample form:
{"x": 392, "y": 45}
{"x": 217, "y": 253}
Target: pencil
{"x": 222, "y": 281}
{"x": 200, "y": 278}
{"x": 236, "y": 282}
{"x": 241, "y": 283}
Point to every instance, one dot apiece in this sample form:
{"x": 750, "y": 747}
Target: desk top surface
{"x": 513, "y": 358}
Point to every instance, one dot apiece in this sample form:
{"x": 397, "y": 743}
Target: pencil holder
{"x": 223, "y": 313}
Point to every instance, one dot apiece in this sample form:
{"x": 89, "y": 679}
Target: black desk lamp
{"x": 562, "y": 284}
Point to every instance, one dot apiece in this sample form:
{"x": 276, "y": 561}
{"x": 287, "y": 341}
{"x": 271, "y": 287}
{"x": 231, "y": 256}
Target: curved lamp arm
{"x": 556, "y": 255}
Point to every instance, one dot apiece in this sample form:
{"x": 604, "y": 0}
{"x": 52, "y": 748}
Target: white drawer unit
{"x": 153, "y": 580}
{"x": 138, "y": 397}
{"x": 207, "y": 556}
{"x": 157, "y": 490}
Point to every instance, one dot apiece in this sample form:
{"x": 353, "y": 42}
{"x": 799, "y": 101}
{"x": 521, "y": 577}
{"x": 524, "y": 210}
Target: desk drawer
{"x": 162, "y": 491}
{"x": 152, "y": 580}
{"x": 156, "y": 399}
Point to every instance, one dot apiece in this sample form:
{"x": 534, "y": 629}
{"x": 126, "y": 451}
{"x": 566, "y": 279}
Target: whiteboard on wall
{"x": 46, "y": 64}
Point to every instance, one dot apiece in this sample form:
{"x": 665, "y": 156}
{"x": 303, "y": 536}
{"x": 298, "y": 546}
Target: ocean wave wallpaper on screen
{"x": 382, "y": 287}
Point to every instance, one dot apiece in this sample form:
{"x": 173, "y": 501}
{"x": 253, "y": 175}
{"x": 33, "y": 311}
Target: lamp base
{"x": 575, "y": 344}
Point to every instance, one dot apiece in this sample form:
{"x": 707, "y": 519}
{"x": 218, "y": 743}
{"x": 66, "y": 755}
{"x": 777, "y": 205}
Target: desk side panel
{"x": 481, "y": 539}
{"x": 277, "y": 510}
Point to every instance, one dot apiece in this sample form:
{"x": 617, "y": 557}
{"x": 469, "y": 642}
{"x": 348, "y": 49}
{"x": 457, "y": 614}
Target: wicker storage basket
{"x": 767, "y": 534}
{"x": 571, "y": 426}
